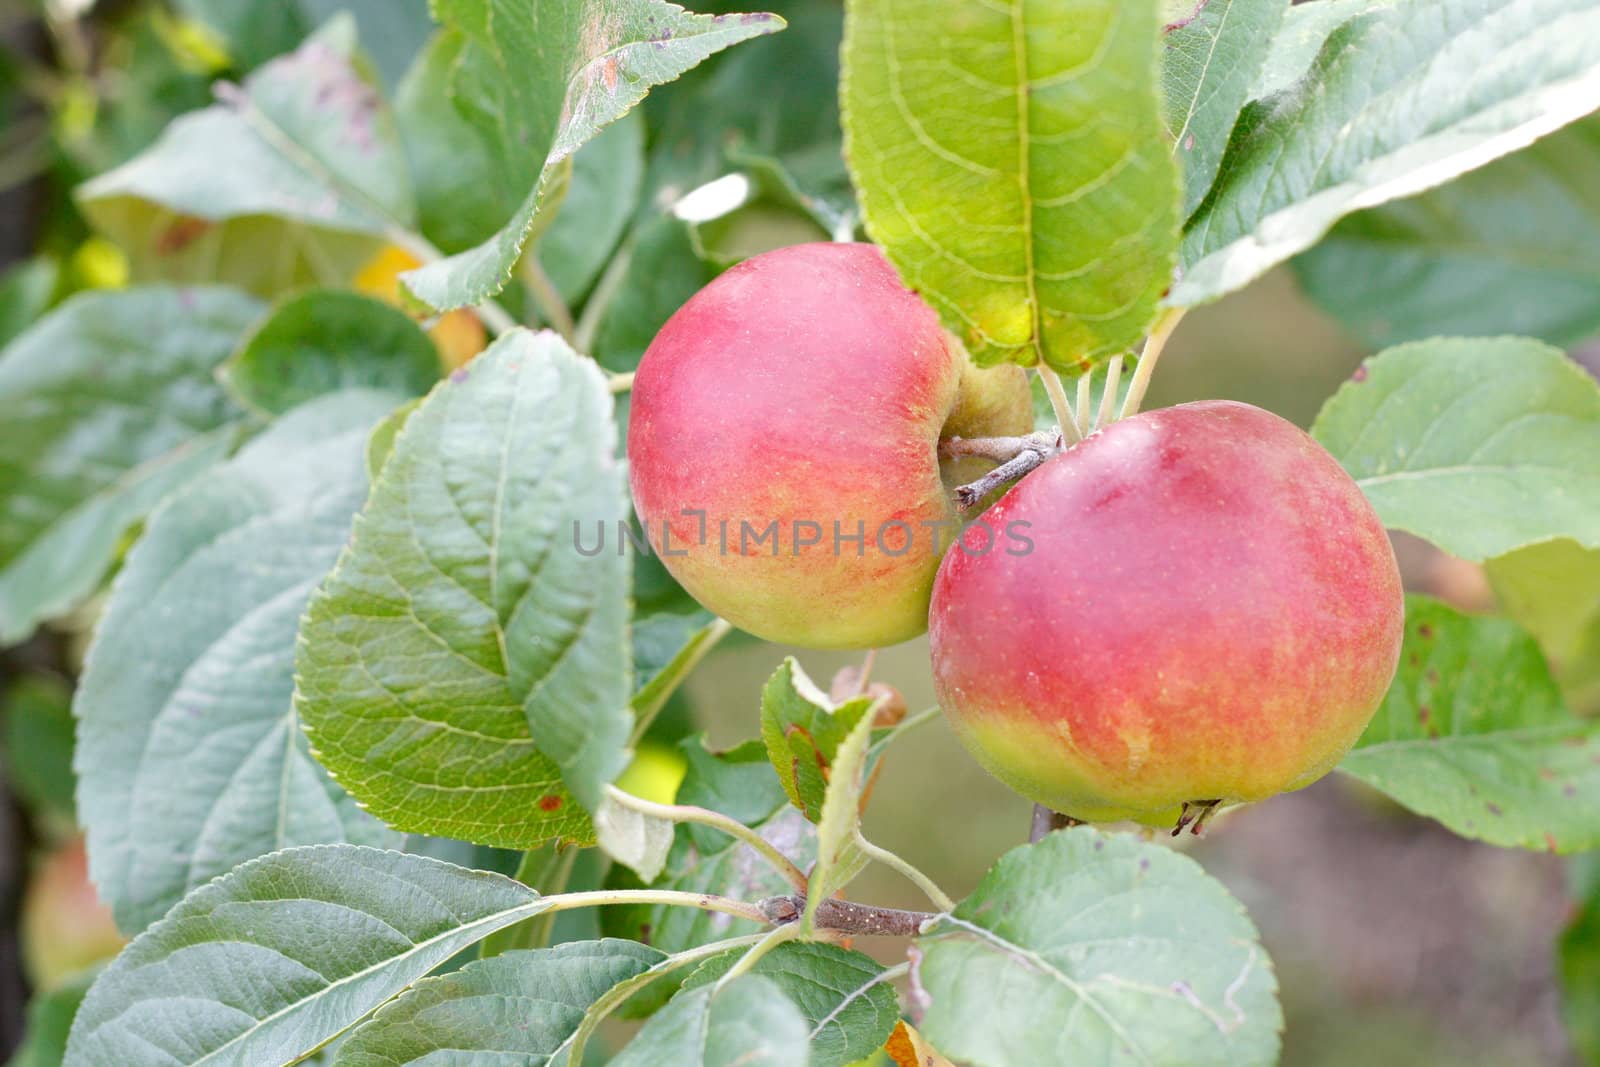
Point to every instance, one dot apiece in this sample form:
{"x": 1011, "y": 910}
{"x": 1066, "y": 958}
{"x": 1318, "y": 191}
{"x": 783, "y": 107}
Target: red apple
{"x": 65, "y": 928}
{"x": 1210, "y": 611}
{"x": 783, "y": 445}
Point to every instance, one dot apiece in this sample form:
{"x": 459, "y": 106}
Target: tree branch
{"x": 846, "y": 917}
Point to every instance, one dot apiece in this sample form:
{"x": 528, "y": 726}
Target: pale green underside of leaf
{"x": 1400, "y": 99}
{"x": 464, "y": 656}
{"x": 1305, "y": 30}
{"x": 1211, "y": 65}
{"x": 517, "y": 1008}
{"x": 1512, "y": 248}
{"x": 849, "y": 1011}
{"x": 293, "y": 178}
{"x": 189, "y": 756}
{"x": 749, "y": 1021}
{"x": 1130, "y": 951}
{"x": 1481, "y": 446}
{"x": 108, "y": 404}
{"x": 542, "y": 80}
{"x": 283, "y": 954}
{"x": 1012, "y": 161}
{"x": 1552, "y": 589}
{"x": 1474, "y": 733}
{"x": 323, "y": 341}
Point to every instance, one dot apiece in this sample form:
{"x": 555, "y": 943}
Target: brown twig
{"x": 846, "y": 917}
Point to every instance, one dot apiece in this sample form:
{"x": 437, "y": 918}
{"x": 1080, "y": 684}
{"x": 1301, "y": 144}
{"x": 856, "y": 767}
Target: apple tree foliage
{"x": 342, "y": 633}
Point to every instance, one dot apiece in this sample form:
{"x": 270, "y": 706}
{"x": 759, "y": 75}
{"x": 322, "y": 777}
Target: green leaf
{"x": 771, "y": 109}
{"x": 538, "y": 81}
{"x": 1212, "y": 62}
{"x": 1370, "y": 123}
{"x": 738, "y": 783}
{"x": 607, "y": 174}
{"x": 1512, "y": 248}
{"x": 189, "y": 755}
{"x": 25, "y": 292}
{"x": 748, "y": 1021}
{"x": 44, "y": 1042}
{"x": 664, "y": 269}
{"x": 1579, "y": 964}
{"x": 1474, "y": 733}
{"x": 666, "y": 647}
{"x": 38, "y": 746}
{"x": 840, "y": 856}
{"x": 520, "y": 1007}
{"x": 465, "y": 666}
{"x": 296, "y": 177}
{"x": 249, "y": 33}
{"x": 1305, "y": 31}
{"x": 108, "y": 404}
{"x": 323, "y": 341}
{"x": 380, "y": 442}
{"x": 803, "y": 730}
{"x": 392, "y": 32}
{"x": 1012, "y": 161}
{"x": 1552, "y": 589}
{"x": 638, "y": 841}
{"x": 849, "y": 1010}
{"x": 284, "y": 953}
{"x": 1130, "y": 951}
{"x": 1481, "y": 446}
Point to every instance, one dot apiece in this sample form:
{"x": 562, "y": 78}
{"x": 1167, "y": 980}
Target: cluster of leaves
{"x": 350, "y": 627}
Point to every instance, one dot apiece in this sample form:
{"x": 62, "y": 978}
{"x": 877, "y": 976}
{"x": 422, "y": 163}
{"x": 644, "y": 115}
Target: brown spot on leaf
{"x": 549, "y": 802}
{"x": 1360, "y": 375}
{"x": 180, "y": 235}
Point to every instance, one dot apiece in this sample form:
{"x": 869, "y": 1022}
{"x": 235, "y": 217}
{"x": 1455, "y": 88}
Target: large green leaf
{"x": 1481, "y": 446}
{"x": 1474, "y": 733}
{"x": 1212, "y": 62}
{"x": 738, "y": 783}
{"x": 283, "y": 954}
{"x": 1400, "y": 99}
{"x": 108, "y": 405}
{"x": 540, "y": 80}
{"x": 296, "y": 177}
{"x": 326, "y": 340}
{"x": 747, "y": 1022}
{"x": 849, "y": 1009}
{"x": 1304, "y": 33}
{"x": 1128, "y": 951}
{"x": 520, "y": 1007}
{"x": 1512, "y": 248}
{"x": 189, "y": 754}
{"x": 1012, "y": 161}
{"x": 464, "y": 660}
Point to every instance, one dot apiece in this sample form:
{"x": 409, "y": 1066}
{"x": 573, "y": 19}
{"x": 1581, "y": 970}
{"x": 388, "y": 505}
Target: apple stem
{"x": 1108, "y": 399}
{"x": 999, "y": 449}
{"x": 1066, "y": 421}
{"x": 1085, "y": 403}
{"x": 1147, "y": 360}
{"x": 970, "y": 495}
{"x": 1201, "y": 811}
